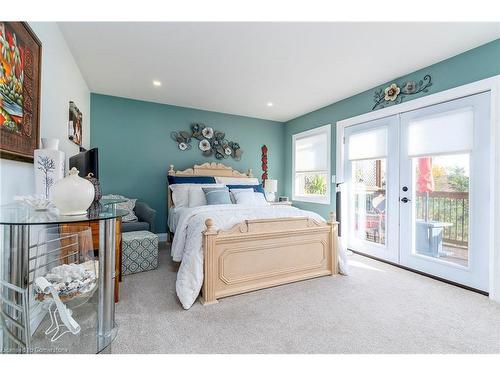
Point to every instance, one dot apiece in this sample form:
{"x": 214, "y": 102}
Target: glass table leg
{"x": 14, "y": 274}
{"x": 106, "y": 330}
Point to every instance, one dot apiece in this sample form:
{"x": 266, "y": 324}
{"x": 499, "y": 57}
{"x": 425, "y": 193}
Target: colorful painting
{"x": 20, "y": 54}
{"x": 75, "y": 124}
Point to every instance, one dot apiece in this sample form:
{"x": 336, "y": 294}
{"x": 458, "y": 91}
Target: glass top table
{"x": 16, "y": 221}
{"x": 21, "y": 214}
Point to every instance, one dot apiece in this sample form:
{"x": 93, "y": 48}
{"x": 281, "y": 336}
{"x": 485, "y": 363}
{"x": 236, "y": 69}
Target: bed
{"x": 225, "y": 250}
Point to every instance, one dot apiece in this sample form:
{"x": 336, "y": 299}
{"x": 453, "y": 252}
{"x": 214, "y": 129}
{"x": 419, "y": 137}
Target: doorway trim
{"x": 491, "y": 85}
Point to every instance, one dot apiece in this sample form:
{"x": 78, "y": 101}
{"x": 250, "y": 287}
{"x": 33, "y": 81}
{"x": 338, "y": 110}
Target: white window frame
{"x": 308, "y": 133}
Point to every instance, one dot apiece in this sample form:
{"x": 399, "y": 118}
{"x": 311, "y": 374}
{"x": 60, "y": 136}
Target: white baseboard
{"x": 162, "y": 237}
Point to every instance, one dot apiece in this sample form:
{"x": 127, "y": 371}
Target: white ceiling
{"x": 238, "y": 67}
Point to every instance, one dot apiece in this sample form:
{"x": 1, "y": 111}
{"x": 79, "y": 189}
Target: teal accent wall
{"x": 473, "y": 65}
{"x": 135, "y": 148}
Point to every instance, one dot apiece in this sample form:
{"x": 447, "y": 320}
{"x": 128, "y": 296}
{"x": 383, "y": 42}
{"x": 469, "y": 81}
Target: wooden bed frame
{"x": 258, "y": 254}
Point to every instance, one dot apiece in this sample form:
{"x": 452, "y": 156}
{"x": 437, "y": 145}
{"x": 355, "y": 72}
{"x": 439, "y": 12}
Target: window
{"x": 311, "y": 165}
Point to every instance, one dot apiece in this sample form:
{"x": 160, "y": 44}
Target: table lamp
{"x": 271, "y": 187}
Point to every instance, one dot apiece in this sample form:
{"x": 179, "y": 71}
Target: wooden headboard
{"x": 209, "y": 169}
{"x": 206, "y": 169}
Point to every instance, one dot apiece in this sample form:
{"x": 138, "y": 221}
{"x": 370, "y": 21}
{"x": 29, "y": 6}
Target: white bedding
{"x": 174, "y": 214}
{"x": 187, "y": 244}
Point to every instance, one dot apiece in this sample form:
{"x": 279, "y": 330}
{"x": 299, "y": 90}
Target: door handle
{"x": 405, "y": 200}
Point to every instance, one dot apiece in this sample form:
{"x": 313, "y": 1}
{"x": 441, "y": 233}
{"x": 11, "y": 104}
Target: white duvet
{"x": 187, "y": 245}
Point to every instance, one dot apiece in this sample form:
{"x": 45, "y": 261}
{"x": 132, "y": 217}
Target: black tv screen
{"x": 86, "y": 162}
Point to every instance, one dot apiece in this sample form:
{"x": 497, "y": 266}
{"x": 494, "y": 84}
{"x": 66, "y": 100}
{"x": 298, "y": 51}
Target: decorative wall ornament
{"x": 394, "y": 93}
{"x": 210, "y": 142}
{"x": 264, "y": 163}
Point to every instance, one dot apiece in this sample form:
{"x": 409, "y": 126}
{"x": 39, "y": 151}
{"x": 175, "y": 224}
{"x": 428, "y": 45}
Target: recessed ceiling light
{"x": 270, "y": 104}
{"x": 156, "y": 83}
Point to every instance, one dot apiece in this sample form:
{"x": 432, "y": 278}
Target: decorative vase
{"x": 97, "y": 187}
{"x": 50, "y": 143}
{"x": 73, "y": 195}
{"x": 49, "y": 167}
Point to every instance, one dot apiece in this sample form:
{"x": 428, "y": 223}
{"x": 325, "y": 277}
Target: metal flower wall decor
{"x": 211, "y": 142}
{"x": 394, "y": 93}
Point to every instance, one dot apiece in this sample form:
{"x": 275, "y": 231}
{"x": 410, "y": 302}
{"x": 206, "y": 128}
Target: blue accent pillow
{"x": 217, "y": 196}
{"x": 257, "y": 188}
{"x": 190, "y": 180}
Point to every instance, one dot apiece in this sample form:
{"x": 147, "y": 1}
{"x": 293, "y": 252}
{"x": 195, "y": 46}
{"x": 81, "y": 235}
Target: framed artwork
{"x": 20, "y": 68}
{"x": 75, "y": 124}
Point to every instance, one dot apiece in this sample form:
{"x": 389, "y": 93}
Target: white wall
{"x": 61, "y": 83}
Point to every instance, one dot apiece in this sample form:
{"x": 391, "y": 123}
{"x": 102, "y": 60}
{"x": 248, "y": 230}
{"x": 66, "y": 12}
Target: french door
{"x": 418, "y": 187}
{"x": 371, "y": 175}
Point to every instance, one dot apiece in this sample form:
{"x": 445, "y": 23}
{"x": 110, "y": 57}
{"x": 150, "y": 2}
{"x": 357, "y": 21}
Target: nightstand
{"x": 286, "y": 203}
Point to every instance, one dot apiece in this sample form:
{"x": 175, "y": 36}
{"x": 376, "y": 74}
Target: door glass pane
{"x": 369, "y": 182}
{"x": 441, "y": 225}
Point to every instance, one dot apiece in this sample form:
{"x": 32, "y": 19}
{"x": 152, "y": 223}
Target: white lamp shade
{"x": 271, "y": 186}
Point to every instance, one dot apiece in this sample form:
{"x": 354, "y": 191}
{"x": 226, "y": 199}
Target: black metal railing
{"x": 444, "y": 206}
{"x": 450, "y": 207}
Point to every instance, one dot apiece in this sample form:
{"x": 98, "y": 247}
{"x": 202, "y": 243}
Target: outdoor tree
{"x": 458, "y": 180}
{"x": 315, "y": 184}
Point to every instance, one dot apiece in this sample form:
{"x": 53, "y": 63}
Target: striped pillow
{"x": 217, "y": 195}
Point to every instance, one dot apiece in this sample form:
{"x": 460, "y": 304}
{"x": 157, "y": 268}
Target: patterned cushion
{"x": 139, "y": 252}
{"x": 217, "y": 195}
{"x": 129, "y": 206}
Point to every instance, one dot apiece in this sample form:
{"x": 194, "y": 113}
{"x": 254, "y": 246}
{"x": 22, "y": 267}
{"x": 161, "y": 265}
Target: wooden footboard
{"x": 263, "y": 253}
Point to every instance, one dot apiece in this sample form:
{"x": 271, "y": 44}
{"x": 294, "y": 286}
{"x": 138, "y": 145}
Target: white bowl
{"x": 39, "y": 203}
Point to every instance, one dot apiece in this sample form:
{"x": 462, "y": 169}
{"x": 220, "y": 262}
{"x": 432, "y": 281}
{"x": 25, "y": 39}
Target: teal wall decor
{"x": 135, "y": 149}
{"x": 470, "y": 66}
{"x": 394, "y": 93}
{"x": 210, "y": 142}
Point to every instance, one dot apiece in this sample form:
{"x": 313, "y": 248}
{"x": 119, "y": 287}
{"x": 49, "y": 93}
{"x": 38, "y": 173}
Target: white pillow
{"x": 179, "y": 196}
{"x": 249, "y": 198}
{"x": 197, "y": 197}
{"x": 260, "y": 200}
{"x": 180, "y": 192}
{"x": 235, "y": 191}
{"x": 244, "y": 197}
{"x": 242, "y": 189}
{"x": 237, "y": 180}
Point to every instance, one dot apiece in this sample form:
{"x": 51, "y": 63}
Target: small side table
{"x": 285, "y": 203}
{"x": 16, "y": 221}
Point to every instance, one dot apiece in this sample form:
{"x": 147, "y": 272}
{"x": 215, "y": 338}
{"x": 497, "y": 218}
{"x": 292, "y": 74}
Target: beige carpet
{"x": 377, "y": 309}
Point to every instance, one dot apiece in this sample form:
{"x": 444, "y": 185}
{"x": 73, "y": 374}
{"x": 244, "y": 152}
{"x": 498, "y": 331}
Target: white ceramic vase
{"x": 49, "y": 167}
{"x": 73, "y": 195}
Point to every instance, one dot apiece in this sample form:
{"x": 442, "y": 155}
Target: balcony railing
{"x": 445, "y": 206}
{"x": 450, "y": 207}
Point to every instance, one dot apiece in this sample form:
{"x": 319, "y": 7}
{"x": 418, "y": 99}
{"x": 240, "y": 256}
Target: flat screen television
{"x": 86, "y": 162}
